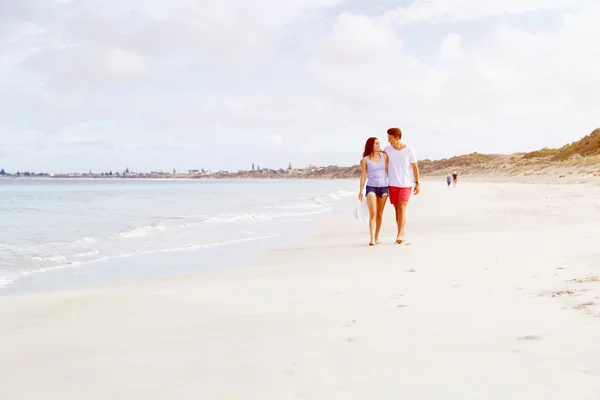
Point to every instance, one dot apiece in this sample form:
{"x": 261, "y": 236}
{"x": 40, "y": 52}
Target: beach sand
{"x": 495, "y": 295}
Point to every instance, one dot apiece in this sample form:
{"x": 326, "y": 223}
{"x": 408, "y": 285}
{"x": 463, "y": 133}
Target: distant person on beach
{"x": 455, "y": 178}
{"x": 403, "y": 176}
{"x": 374, "y": 171}
{"x": 449, "y": 180}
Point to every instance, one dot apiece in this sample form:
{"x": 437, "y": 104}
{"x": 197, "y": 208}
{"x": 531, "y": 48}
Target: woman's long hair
{"x": 369, "y": 146}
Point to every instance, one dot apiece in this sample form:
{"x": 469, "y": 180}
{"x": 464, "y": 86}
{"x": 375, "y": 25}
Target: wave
{"x": 221, "y": 243}
{"x": 216, "y": 219}
{"x": 6, "y": 280}
{"x": 319, "y": 203}
{"x": 197, "y": 217}
{"x": 87, "y": 244}
{"x": 328, "y": 198}
{"x": 306, "y": 214}
{"x": 143, "y": 231}
{"x": 298, "y": 205}
{"x": 54, "y": 258}
{"x": 314, "y": 201}
{"x": 88, "y": 253}
{"x": 231, "y": 218}
{"x": 96, "y": 247}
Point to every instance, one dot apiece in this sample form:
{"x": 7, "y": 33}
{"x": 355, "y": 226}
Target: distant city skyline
{"x": 220, "y": 85}
{"x": 127, "y": 171}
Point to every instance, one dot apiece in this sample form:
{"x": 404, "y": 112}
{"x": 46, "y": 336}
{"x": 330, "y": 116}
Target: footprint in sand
{"x": 587, "y": 279}
{"x": 584, "y": 306}
{"x": 559, "y": 293}
{"x": 530, "y": 338}
{"x": 412, "y": 270}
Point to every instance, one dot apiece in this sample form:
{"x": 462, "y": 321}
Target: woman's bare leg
{"x": 379, "y": 219}
{"x": 372, "y": 203}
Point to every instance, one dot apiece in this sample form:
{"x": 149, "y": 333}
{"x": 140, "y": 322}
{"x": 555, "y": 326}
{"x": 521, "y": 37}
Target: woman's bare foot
{"x": 371, "y": 244}
{"x": 377, "y": 241}
{"x": 399, "y": 240}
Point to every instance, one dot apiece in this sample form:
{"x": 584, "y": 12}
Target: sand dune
{"x": 495, "y": 295}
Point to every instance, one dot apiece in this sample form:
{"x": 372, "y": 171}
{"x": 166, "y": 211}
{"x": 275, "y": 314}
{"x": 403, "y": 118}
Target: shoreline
{"x": 96, "y": 273}
{"x": 494, "y": 295}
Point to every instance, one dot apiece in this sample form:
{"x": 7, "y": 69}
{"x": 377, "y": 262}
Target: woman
{"x": 374, "y": 170}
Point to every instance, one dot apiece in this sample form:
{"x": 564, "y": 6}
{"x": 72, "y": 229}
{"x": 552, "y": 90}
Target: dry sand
{"x": 495, "y": 295}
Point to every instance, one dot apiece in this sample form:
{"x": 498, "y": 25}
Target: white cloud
{"x": 124, "y": 63}
{"x": 450, "y": 49}
{"x": 511, "y": 90}
{"x": 276, "y": 141}
{"x": 465, "y": 10}
{"x": 357, "y": 40}
{"x": 186, "y": 76}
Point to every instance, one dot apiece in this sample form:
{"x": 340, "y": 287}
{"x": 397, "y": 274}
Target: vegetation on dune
{"x": 543, "y": 153}
{"x": 587, "y": 149}
{"x": 584, "y": 147}
{"x": 466, "y": 160}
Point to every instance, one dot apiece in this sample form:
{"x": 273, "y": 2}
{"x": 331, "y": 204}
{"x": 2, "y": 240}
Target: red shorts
{"x": 398, "y": 194}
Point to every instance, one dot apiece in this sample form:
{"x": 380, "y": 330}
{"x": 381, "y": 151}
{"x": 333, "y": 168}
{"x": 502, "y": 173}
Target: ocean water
{"x": 59, "y": 233}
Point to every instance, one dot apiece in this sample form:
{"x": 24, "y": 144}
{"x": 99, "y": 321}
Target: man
{"x": 403, "y": 173}
{"x": 455, "y": 178}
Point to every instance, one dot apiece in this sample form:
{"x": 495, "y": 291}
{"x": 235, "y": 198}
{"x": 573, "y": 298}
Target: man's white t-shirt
{"x": 400, "y": 168}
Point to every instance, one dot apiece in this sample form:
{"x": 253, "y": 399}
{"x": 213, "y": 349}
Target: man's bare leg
{"x": 400, "y": 220}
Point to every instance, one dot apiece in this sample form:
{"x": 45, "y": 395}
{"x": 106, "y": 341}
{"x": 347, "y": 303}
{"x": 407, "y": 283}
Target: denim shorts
{"x": 379, "y": 191}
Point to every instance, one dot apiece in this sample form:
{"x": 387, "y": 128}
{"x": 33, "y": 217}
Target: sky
{"x": 220, "y": 84}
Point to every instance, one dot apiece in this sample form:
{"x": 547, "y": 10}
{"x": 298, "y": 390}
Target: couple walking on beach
{"x": 392, "y": 173}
